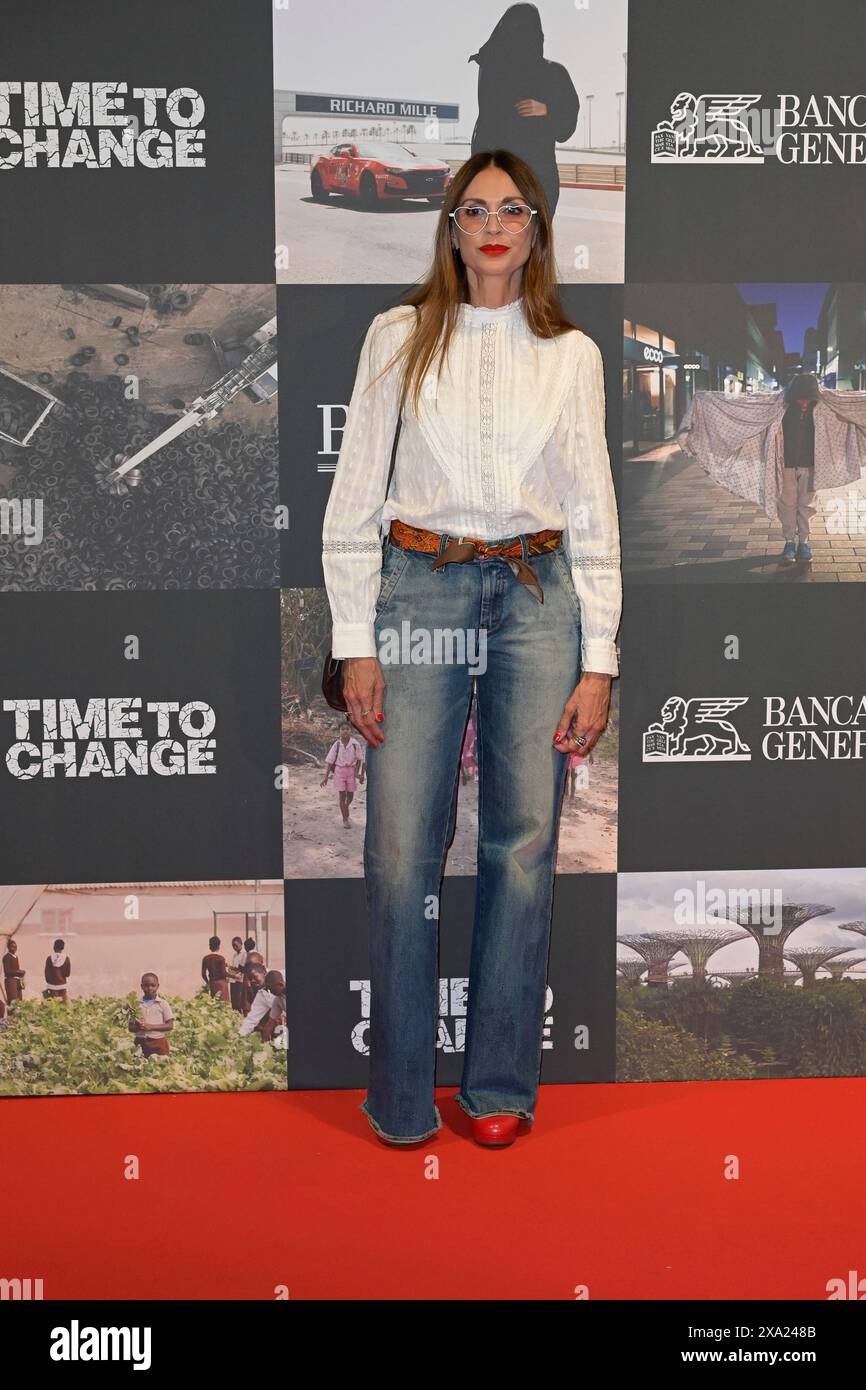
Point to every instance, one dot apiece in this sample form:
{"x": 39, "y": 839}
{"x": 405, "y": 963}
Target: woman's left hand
{"x": 585, "y": 713}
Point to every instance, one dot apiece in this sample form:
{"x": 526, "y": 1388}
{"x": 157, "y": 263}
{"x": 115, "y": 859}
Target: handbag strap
{"x": 391, "y": 471}
{"x": 393, "y": 454}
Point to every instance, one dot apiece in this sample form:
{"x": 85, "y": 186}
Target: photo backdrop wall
{"x": 203, "y": 208}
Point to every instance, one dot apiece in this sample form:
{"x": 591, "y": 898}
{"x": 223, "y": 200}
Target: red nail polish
{"x": 380, "y": 718}
{"x": 557, "y": 737}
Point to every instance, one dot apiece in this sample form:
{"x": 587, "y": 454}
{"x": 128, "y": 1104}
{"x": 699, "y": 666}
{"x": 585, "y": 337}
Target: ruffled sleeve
{"x": 351, "y": 543}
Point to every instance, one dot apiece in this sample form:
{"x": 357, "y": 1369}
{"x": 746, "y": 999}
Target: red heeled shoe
{"x": 495, "y": 1131}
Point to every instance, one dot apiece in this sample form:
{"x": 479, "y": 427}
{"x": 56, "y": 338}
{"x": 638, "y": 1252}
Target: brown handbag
{"x": 332, "y": 669}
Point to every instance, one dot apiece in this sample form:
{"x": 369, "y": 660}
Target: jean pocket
{"x": 394, "y": 563}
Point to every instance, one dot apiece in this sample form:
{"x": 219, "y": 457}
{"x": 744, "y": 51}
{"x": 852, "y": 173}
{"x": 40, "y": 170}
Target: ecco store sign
{"x": 748, "y": 128}
{"x": 808, "y": 729}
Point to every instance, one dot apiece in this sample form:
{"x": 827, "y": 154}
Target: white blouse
{"x": 510, "y": 439}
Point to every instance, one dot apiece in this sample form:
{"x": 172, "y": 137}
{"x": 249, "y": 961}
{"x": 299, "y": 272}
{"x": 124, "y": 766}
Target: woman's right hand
{"x": 364, "y": 689}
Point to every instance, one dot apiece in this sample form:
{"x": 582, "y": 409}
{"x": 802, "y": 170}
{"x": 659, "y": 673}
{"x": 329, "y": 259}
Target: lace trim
{"x": 351, "y": 547}
{"x": 597, "y": 562}
{"x": 488, "y": 488}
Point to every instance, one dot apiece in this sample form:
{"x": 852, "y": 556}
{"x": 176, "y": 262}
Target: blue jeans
{"x": 532, "y": 656}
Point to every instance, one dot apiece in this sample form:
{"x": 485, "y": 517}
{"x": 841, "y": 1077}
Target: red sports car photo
{"x": 377, "y": 171}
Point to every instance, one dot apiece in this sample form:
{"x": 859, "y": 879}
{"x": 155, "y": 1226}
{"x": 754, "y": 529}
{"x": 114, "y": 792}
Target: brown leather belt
{"x": 459, "y": 549}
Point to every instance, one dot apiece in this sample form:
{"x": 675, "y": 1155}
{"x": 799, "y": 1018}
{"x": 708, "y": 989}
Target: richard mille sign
{"x": 385, "y": 108}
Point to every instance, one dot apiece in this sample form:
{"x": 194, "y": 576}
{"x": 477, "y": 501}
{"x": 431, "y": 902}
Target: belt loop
{"x": 524, "y": 548}
{"x": 443, "y": 541}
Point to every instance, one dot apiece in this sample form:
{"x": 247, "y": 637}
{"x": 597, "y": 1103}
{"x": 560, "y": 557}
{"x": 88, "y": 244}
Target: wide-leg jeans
{"x": 524, "y": 659}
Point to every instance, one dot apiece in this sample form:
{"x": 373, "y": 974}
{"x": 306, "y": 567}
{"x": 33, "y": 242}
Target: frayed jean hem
{"x": 500, "y": 1110}
{"x": 402, "y": 1138}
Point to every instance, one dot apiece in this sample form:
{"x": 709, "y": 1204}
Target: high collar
{"x": 472, "y": 313}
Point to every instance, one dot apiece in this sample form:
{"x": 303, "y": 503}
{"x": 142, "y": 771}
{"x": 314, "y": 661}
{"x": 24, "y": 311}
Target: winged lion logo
{"x": 707, "y": 127}
{"x": 696, "y": 730}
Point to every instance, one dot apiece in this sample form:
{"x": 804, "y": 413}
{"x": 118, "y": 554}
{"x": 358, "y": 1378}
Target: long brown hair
{"x": 445, "y": 287}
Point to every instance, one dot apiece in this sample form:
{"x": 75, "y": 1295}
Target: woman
{"x": 502, "y": 451}
{"x": 779, "y": 449}
{"x": 526, "y": 102}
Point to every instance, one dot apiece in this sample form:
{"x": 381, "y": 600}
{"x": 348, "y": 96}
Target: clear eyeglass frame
{"x": 533, "y": 212}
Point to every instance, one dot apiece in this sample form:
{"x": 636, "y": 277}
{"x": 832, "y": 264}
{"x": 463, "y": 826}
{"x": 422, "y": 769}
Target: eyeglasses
{"x": 512, "y": 217}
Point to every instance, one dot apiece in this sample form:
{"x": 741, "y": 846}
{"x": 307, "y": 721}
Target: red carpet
{"x": 621, "y": 1188}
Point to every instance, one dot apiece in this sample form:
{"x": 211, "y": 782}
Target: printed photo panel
{"x": 138, "y": 437}
{"x": 744, "y": 433}
{"x": 112, "y": 988}
{"x": 746, "y": 141}
{"x": 328, "y": 987}
{"x": 140, "y": 736}
{"x": 134, "y": 142}
{"x": 368, "y": 137}
{"x": 753, "y": 974}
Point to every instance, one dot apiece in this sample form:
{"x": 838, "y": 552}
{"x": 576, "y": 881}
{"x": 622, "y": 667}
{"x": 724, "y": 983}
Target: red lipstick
{"x": 494, "y": 249}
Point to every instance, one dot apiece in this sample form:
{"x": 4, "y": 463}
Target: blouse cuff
{"x": 599, "y": 654}
{"x": 353, "y": 639}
